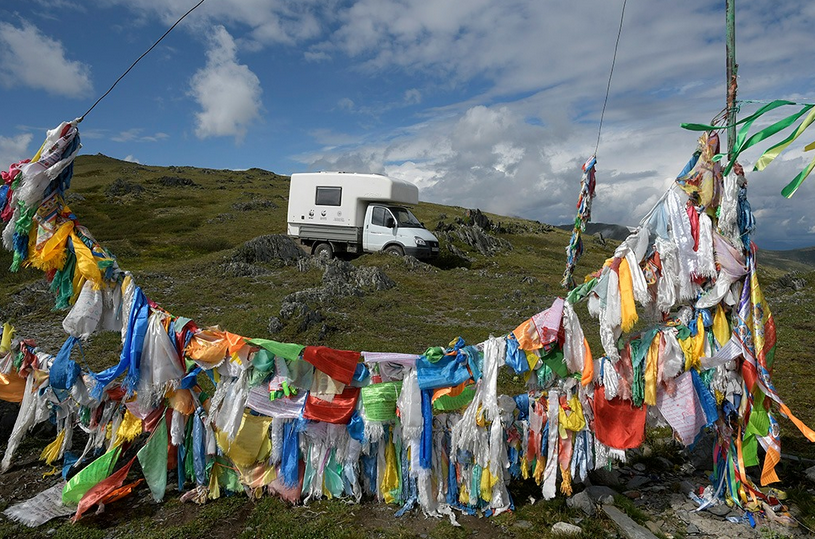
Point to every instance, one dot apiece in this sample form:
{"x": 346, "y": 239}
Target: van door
{"x": 377, "y": 234}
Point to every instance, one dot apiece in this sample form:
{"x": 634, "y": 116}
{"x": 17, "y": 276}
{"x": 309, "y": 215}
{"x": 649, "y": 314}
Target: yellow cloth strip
{"x": 86, "y": 263}
{"x": 52, "y": 254}
{"x": 5, "y": 342}
{"x": 390, "y": 479}
{"x": 773, "y": 152}
{"x": 721, "y": 329}
{"x": 251, "y": 443}
{"x": 651, "y": 369}
{"x": 129, "y": 428}
{"x": 628, "y": 309}
{"x": 52, "y": 450}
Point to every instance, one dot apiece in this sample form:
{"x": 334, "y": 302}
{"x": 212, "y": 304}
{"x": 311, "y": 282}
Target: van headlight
{"x": 419, "y": 241}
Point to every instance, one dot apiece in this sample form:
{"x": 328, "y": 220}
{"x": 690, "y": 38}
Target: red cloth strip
{"x": 338, "y": 364}
{"x": 338, "y": 410}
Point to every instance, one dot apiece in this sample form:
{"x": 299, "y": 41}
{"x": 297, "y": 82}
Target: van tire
{"x": 323, "y": 250}
{"x": 394, "y": 250}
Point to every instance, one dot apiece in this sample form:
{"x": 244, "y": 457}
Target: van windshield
{"x": 405, "y": 218}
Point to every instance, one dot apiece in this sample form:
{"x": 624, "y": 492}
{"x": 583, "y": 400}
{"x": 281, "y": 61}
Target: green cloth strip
{"x": 447, "y": 403}
{"x": 285, "y": 350}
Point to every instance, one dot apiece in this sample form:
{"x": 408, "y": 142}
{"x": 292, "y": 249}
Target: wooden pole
{"x": 732, "y": 74}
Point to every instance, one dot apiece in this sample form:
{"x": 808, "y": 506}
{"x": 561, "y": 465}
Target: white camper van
{"x": 335, "y": 212}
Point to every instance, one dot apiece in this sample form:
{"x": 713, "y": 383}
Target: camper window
{"x": 329, "y": 196}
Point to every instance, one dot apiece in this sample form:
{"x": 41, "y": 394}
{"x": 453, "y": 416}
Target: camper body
{"x": 347, "y": 212}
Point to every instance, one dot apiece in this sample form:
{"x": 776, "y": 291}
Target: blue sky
{"x": 485, "y": 103}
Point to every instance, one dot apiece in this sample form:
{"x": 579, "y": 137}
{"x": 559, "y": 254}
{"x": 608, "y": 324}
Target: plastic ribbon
{"x": 153, "y": 460}
{"x": 131, "y": 348}
{"x": 290, "y": 455}
{"x": 743, "y": 143}
{"x": 89, "y": 476}
{"x": 64, "y": 371}
{"x": 796, "y": 182}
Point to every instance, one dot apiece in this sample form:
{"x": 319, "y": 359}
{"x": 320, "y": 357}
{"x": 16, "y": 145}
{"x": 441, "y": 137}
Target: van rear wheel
{"x": 323, "y": 250}
{"x": 394, "y": 250}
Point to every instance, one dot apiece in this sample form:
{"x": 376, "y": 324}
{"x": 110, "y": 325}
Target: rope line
{"x": 138, "y": 59}
{"x": 611, "y": 74}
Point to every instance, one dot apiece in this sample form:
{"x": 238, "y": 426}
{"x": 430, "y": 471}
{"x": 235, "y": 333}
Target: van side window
{"x": 378, "y": 216}
{"x": 329, "y": 196}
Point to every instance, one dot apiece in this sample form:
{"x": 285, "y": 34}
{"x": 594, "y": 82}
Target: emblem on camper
{"x": 322, "y": 213}
{"x": 311, "y": 213}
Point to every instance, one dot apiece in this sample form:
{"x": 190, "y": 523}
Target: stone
{"x": 582, "y": 501}
{"x": 242, "y": 269}
{"x": 666, "y": 464}
{"x": 122, "y": 188}
{"x": 632, "y": 494}
{"x": 640, "y": 467}
{"x": 628, "y": 527}
{"x": 719, "y": 510}
{"x": 523, "y": 524}
{"x": 693, "y": 528}
{"x": 655, "y": 527}
{"x": 609, "y": 478}
{"x": 596, "y": 492}
{"x": 687, "y": 468}
{"x": 484, "y": 243}
{"x": 810, "y": 472}
{"x": 686, "y": 487}
{"x": 267, "y": 249}
{"x": 637, "y": 481}
{"x": 791, "y": 281}
{"x": 700, "y": 454}
{"x": 564, "y": 528}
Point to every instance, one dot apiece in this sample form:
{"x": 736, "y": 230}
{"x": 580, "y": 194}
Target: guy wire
{"x": 611, "y": 73}
{"x": 139, "y": 58}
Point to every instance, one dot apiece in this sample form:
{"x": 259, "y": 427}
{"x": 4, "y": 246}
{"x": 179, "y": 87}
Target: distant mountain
{"x": 609, "y": 232}
{"x": 790, "y": 260}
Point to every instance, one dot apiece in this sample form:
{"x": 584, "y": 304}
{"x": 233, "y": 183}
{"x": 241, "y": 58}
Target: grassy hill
{"x": 177, "y": 230}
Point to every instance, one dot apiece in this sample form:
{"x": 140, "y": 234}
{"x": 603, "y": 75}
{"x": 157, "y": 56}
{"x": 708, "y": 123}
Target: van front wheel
{"x": 323, "y": 250}
{"x": 394, "y": 250}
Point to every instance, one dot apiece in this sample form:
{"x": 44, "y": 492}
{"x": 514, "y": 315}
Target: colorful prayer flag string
{"x": 575, "y": 248}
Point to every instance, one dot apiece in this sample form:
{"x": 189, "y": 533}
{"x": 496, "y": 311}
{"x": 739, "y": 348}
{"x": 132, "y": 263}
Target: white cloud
{"x": 13, "y": 149}
{"x": 346, "y": 103}
{"x": 135, "y": 135}
{"x": 228, "y": 92}
{"x": 131, "y": 159}
{"x": 316, "y": 56}
{"x": 52, "y": 5}
{"x": 269, "y": 22}
{"x": 413, "y": 96}
{"x": 31, "y": 59}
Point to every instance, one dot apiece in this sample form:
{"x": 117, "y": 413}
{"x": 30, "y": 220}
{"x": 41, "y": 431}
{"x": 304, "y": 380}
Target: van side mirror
{"x": 389, "y": 222}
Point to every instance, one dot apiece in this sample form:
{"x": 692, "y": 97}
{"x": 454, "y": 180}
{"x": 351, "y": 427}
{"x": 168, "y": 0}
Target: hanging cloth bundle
{"x": 575, "y": 249}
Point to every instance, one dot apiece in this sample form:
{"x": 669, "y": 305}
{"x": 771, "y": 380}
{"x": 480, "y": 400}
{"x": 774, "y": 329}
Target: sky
{"x": 490, "y": 104}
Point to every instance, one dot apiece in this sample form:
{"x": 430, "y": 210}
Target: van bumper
{"x": 423, "y": 252}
